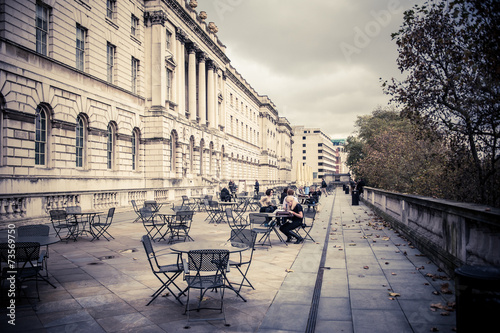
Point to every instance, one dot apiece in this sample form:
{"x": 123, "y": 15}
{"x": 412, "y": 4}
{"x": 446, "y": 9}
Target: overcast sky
{"x": 319, "y": 61}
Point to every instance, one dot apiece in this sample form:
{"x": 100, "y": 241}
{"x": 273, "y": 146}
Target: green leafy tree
{"x": 450, "y": 53}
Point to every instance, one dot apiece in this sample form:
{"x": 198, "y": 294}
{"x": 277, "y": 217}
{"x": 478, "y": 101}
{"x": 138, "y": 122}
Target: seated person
{"x": 225, "y": 195}
{"x": 266, "y": 205}
{"x": 294, "y": 222}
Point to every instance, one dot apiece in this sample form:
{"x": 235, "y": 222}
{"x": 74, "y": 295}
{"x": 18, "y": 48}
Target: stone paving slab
{"x": 104, "y": 286}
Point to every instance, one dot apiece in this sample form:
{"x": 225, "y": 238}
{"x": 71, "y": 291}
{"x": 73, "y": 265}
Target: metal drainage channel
{"x": 313, "y": 313}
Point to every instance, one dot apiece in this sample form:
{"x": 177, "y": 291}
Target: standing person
{"x": 359, "y": 186}
{"x": 283, "y": 195}
{"x": 257, "y": 187}
{"x": 232, "y": 188}
{"x": 294, "y": 222}
{"x": 323, "y": 187}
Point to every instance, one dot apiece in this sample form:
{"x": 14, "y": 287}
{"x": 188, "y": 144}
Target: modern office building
{"x": 104, "y": 102}
{"x": 312, "y": 147}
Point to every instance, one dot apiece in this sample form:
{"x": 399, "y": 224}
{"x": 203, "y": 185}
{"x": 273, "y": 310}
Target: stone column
{"x": 211, "y": 95}
{"x": 180, "y": 74}
{"x": 202, "y": 92}
{"x": 192, "y": 83}
{"x": 156, "y": 21}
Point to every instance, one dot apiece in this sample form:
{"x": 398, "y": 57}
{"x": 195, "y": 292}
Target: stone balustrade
{"x": 451, "y": 233}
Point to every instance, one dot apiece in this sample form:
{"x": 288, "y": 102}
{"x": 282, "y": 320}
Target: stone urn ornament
{"x": 193, "y": 4}
{"x": 203, "y": 15}
{"x": 213, "y": 27}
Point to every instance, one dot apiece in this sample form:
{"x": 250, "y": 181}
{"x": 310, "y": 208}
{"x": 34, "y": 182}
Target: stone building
{"x": 313, "y": 148}
{"x": 104, "y": 102}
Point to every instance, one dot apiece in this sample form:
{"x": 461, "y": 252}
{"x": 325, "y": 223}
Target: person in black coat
{"x": 225, "y": 195}
{"x": 257, "y": 187}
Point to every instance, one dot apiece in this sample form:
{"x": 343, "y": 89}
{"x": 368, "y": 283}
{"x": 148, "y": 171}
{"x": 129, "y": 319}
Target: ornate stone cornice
{"x": 155, "y": 17}
{"x": 195, "y": 27}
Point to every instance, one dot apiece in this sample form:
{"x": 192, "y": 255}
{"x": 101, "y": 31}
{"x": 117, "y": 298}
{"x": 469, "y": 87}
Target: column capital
{"x": 180, "y": 35}
{"x": 155, "y": 17}
{"x": 202, "y": 56}
{"x": 210, "y": 65}
{"x": 192, "y": 47}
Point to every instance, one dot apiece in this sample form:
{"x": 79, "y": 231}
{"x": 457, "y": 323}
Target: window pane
{"x": 79, "y": 142}
{"x": 40, "y": 136}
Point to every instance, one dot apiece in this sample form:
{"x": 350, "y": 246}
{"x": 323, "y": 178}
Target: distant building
{"x": 104, "y": 102}
{"x": 312, "y": 147}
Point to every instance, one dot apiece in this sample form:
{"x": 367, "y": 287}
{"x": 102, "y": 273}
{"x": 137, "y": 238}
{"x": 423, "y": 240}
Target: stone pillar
{"x": 192, "y": 83}
{"x": 202, "y": 92}
{"x": 156, "y": 21}
{"x": 180, "y": 74}
{"x": 211, "y": 95}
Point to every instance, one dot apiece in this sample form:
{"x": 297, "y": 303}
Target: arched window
{"x": 172, "y": 149}
{"x": 191, "y": 154}
{"x": 202, "y": 164}
{"x": 40, "y": 136}
{"x": 80, "y": 142}
{"x": 110, "y": 146}
{"x": 135, "y": 149}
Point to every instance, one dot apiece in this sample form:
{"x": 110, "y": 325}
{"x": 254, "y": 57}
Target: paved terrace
{"x": 359, "y": 276}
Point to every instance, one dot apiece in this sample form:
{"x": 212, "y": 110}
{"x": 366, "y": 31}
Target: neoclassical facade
{"x": 103, "y": 102}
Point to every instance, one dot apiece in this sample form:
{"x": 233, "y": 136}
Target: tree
{"x": 451, "y": 57}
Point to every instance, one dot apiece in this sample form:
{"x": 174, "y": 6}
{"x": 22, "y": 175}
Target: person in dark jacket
{"x": 225, "y": 195}
{"x": 323, "y": 187}
{"x": 257, "y": 187}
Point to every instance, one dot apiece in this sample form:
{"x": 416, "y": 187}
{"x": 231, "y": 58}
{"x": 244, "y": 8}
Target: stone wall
{"x": 450, "y": 233}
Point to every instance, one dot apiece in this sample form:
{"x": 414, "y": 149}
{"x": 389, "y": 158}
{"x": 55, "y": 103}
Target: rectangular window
{"x": 303, "y": 145}
{"x": 303, "y": 152}
{"x": 110, "y": 8}
{"x": 110, "y": 61}
{"x": 80, "y": 47}
{"x": 320, "y": 151}
{"x": 169, "y": 84}
{"x": 303, "y": 138}
{"x": 320, "y": 145}
{"x": 134, "y": 25}
{"x": 303, "y": 157}
{"x": 169, "y": 40}
{"x": 135, "y": 71}
{"x": 134, "y": 150}
{"x": 42, "y": 28}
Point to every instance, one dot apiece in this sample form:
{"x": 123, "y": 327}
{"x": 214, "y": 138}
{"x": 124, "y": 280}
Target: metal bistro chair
{"x": 166, "y": 273}
{"x": 37, "y": 230}
{"x": 180, "y": 224}
{"x": 186, "y": 202}
{"x": 151, "y": 223}
{"x": 261, "y": 224}
{"x": 206, "y": 270}
{"x": 61, "y": 224}
{"x": 215, "y": 212}
{"x": 244, "y": 237}
{"x": 308, "y": 222}
{"x": 99, "y": 228}
{"x": 25, "y": 260}
{"x": 236, "y": 225}
{"x": 136, "y": 210}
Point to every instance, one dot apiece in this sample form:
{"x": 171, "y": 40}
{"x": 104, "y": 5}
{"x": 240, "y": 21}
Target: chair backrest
{"x": 208, "y": 260}
{"x": 243, "y": 236}
{"x": 184, "y": 216}
{"x": 257, "y": 219}
{"x": 134, "y": 205}
{"x": 213, "y": 204}
{"x": 150, "y": 253}
{"x": 26, "y": 253}
{"x": 73, "y": 209}
{"x": 109, "y": 217}
{"x": 33, "y": 230}
{"x": 145, "y": 213}
{"x": 58, "y": 215}
{"x": 309, "y": 213}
